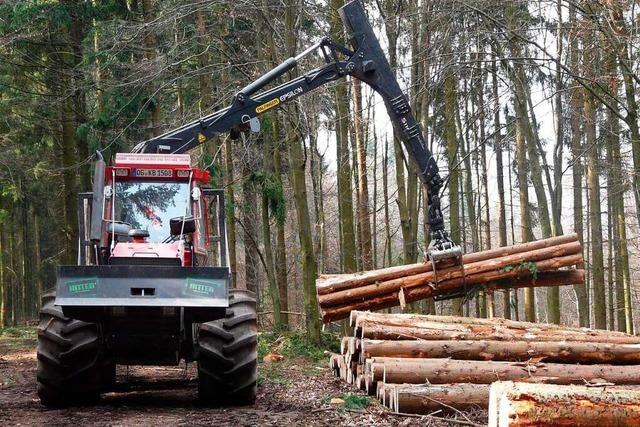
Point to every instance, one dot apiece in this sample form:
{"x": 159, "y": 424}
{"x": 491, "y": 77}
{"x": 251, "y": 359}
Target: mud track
{"x": 291, "y": 393}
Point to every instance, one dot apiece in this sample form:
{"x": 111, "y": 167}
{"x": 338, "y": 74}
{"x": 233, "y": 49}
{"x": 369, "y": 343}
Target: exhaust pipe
{"x": 97, "y": 200}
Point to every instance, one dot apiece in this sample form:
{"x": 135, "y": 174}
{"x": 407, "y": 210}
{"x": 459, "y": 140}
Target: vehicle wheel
{"x": 227, "y": 354}
{"x": 68, "y": 358}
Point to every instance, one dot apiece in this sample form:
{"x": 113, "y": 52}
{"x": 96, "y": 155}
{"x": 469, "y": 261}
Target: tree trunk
{"x": 230, "y": 211}
{"x": 15, "y": 283}
{"x": 297, "y": 174}
{"x": 77, "y": 33}
{"x": 150, "y": 44}
{"x": 515, "y": 306}
{"x": 489, "y": 302}
{"x": 4, "y": 288}
{"x": 363, "y": 191}
{"x": 620, "y": 232}
{"x": 280, "y": 249}
{"x": 345, "y": 192}
{"x": 250, "y": 227}
{"x": 413, "y": 194}
{"x": 502, "y": 215}
{"x": 28, "y": 285}
{"x": 274, "y": 293}
{"x": 374, "y": 220}
{"x": 315, "y": 164}
{"x": 526, "y": 232}
{"x": 39, "y": 284}
{"x": 625, "y": 63}
{"x": 205, "y": 100}
{"x": 388, "y": 258}
{"x": 593, "y": 178}
{"x": 356, "y": 194}
{"x": 576, "y": 119}
{"x": 68, "y": 160}
{"x": 521, "y": 404}
{"x": 281, "y": 252}
{"x": 618, "y": 255}
{"x": 452, "y": 152}
{"x": 553, "y": 294}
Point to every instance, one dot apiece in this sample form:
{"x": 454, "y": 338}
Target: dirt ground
{"x": 294, "y": 392}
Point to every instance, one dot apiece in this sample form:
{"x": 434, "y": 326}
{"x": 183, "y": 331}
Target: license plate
{"x": 154, "y": 173}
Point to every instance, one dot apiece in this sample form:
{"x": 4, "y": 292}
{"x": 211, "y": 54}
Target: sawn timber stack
{"x": 425, "y": 363}
{"x": 541, "y": 263}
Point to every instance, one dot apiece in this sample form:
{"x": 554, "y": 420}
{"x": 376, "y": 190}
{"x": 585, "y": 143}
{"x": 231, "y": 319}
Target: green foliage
{"x": 214, "y": 169}
{"x": 293, "y": 345}
{"x": 356, "y": 401}
{"x": 271, "y": 188}
{"x": 299, "y": 346}
{"x": 524, "y": 265}
{"x": 351, "y": 401}
{"x": 266, "y": 124}
{"x": 229, "y": 207}
{"x": 18, "y": 332}
{"x": 264, "y": 344}
{"x": 83, "y": 130}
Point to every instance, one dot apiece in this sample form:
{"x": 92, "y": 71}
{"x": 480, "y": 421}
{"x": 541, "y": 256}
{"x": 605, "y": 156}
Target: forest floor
{"x": 295, "y": 391}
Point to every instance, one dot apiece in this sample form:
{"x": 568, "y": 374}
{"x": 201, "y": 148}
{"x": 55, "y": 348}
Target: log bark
{"x": 440, "y": 371}
{"x": 470, "y": 270}
{"x": 424, "y": 399}
{"x": 374, "y": 367}
{"x": 330, "y": 314}
{"x": 521, "y": 404}
{"x": 498, "y": 333}
{"x": 410, "y": 319}
{"x": 327, "y": 284}
{"x": 552, "y": 351}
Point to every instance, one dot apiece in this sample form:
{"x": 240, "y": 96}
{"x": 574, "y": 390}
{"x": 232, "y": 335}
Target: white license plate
{"x": 154, "y": 173}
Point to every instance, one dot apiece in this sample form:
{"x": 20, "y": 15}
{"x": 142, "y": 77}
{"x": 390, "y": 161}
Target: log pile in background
{"x": 541, "y": 263}
{"x": 423, "y": 363}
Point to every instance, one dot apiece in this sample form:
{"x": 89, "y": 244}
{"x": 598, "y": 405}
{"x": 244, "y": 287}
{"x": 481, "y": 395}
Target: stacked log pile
{"x": 423, "y": 363}
{"x": 542, "y": 263}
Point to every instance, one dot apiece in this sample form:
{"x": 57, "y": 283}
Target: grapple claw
{"x": 444, "y": 253}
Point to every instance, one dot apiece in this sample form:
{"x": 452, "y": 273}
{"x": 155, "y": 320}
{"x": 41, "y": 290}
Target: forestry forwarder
{"x": 152, "y": 281}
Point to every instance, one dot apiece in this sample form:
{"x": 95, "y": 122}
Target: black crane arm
{"x": 365, "y": 62}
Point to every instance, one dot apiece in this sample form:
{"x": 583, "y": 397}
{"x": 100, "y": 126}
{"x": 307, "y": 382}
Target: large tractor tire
{"x": 69, "y": 359}
{"x": 227, "y": 354}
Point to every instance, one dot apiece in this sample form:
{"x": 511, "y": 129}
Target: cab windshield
{"x": 150, "y": 205}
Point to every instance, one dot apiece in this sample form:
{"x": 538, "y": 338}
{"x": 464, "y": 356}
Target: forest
{"x": 530, "y": 108}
